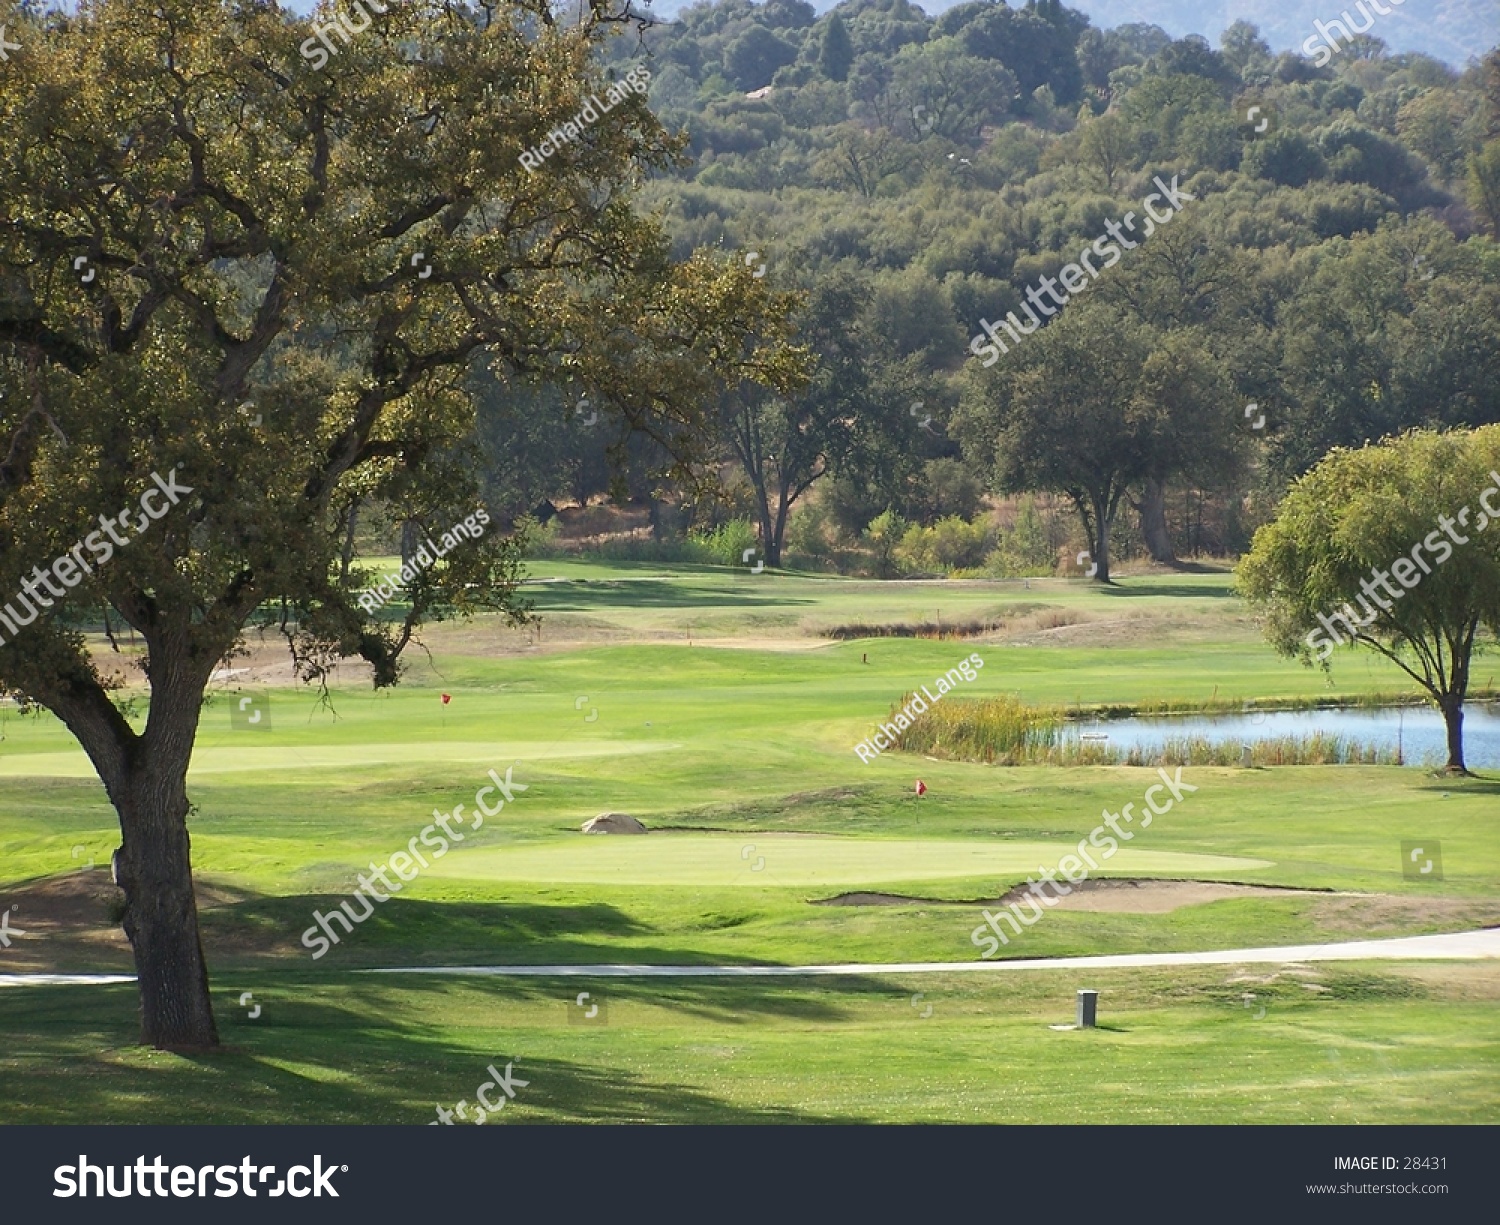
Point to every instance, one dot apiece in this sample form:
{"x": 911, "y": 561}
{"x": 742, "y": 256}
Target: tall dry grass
{"x": 1004, "y": 731}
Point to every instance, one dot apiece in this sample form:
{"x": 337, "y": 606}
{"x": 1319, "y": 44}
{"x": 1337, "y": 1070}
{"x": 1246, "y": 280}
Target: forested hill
{"x": 1451, "y": 30}
{"x": 1332, "y": 260}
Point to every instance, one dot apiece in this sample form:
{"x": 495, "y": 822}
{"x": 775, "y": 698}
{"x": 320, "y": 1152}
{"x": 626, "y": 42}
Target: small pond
{"x": 1416, "y": 730}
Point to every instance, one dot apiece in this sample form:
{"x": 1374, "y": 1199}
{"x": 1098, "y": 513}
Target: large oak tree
{"x": 1092, "y": 406}
{"x": 199, "y": 220}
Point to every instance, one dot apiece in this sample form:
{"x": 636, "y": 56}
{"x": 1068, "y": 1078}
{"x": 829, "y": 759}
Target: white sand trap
{"x": 1159, "y": 896}
{"x": 1104, "y": 896}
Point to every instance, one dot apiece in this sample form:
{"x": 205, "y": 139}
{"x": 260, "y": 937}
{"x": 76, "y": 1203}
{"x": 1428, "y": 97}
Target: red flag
{"x": 447, "y": 698}
{"x": 921, "y": 787}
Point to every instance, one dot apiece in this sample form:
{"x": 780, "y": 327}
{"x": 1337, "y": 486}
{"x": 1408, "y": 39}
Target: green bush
{"x": 726, "y": 544}
{"x": 884, "y": 536}
{"x": 949, "y": 544}
{"x": 1027, "y": 548}
{"x": 809, "y": 538}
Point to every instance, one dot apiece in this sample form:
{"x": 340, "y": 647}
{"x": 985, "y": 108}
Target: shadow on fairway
{"x": 1474, "y": 784}
{"x": 609, "y": 596}
{"x": 73, "y": 1058}
{"x": 261, "y": 935}
{"x": 1189, "y": 590}
{"x": 722, "y": 1001}
{"x": 263, "y": 930}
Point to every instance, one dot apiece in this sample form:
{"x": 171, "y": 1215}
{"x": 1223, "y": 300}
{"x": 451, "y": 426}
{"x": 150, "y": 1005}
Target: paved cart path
{"x": 1451, "y": 946}
{"x": 1454, "y": 946}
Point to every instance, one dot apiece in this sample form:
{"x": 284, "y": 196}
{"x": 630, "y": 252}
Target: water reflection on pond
{"x": 1417, "y": 731}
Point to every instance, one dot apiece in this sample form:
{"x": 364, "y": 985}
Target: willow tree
{"x": 1392, "y": 548}
{"x": 270, "y": 274}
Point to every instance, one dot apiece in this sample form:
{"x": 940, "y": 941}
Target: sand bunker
{"x": 1123, "y": 896}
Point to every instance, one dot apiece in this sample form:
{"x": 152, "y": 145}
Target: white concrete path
{"x": 1452, "y": 946}
{"x": 1455, "y": 946}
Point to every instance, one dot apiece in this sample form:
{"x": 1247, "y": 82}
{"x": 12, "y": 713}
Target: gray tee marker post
{"x": 1088, "y": 1004}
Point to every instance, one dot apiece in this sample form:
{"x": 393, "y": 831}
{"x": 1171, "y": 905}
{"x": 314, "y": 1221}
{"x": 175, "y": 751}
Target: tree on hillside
{"x": 836, "y": 54}
{"x": 1284, "y": 157}
{"x": 1052, "y": 416}
{"x": 1106, "y": 144}
{"x": 1091, "y": 407}
{"x": 1037, "y": 45}
{"x": 1483, "y": 185}
{"x": 1245, "y": 50}
{"x": 787, "y": 443}
{"x": 1422, "y": 509}
{"x": 263, "y": 283}
{"x": 753, "y": 56}
{"x": 1197, "y": 433}
{"x": 951, "y": 94}
{"x": 1393, "y": 329}
{"x": 1482, "y": 180}
{"x": 1192, "y": 290}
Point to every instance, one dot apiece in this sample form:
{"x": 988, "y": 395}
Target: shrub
{"x": 725, "y": 545}
{"x": 884, "y": 536}
{"x": 949, "y": 544}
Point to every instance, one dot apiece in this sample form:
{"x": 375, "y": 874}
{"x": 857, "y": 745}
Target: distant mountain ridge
{"x": 1449, "y": 30}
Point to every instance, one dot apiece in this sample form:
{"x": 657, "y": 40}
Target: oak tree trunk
{"x": 1099, "y": 545}
{"x": 154, "y": 868}
{"x": 769, "y": 544}
{"x": 1152, "y": 509}
{"x": 145, "y": 776}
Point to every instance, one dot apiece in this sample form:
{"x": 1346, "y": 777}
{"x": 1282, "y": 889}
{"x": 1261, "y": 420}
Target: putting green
{"x": 795, "y": 860}
{"x": 72, "y": 763}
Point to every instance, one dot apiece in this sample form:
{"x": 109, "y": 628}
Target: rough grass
{"x": 735, "y": 744}
{"x": 1334, "y": 1044}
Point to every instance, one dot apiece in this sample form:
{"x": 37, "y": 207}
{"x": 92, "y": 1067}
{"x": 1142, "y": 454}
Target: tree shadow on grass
{"x": 1168, "y": 589}
{"x": 613, "y": 597}
{"x": 262, "y": 934}
{"x": 265, "y": 927}
{"x": 311, "y": 1060}
{"x": 726, "y": 1001}
{"x": 1473, "y": 784}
